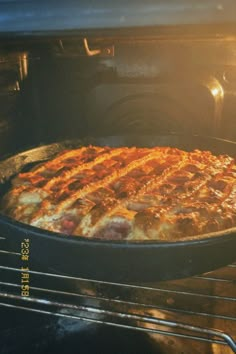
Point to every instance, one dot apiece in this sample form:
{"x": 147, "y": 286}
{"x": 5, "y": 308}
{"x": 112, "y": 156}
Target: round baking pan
{"x": 119, "y": 261}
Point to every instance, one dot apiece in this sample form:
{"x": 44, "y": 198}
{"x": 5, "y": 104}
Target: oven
{"x": 88, "y": 70}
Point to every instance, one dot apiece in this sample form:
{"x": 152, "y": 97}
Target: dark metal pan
{"x": 119, "y": 260}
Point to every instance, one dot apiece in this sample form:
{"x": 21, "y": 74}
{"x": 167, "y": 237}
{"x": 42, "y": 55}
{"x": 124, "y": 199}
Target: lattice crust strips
{"x": 159, "y": 193}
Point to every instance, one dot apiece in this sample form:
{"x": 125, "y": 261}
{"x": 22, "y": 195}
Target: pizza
{"x": 127, "y": 193}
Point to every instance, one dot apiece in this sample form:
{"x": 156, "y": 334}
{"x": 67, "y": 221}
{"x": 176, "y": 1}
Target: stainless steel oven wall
{"x": 12, "y": 72}
{"x": 172, "y": 84}
{"x": 56, "y": 91}
{"x": 146, "y": 85}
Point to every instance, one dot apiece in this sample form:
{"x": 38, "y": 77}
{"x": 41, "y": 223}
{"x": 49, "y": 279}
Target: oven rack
{"x": 205, "y": 305}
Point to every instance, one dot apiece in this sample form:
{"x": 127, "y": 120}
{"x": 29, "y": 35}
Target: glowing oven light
{"x": 217, "y": 91}
{"x": 23, "y": 65}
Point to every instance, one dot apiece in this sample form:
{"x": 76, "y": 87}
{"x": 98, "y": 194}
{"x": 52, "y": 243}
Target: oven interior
{"x": 61, "y": 87}
{"x": 54, "y": 89}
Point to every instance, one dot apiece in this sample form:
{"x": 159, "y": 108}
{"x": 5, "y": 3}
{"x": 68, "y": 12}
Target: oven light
{"x": 215, "y": 91}
{"x": 23, "y": 65}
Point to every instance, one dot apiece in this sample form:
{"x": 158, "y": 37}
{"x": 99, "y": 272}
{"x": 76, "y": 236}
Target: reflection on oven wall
{"x": 162, "y": 86}
{"x": 13, "y": 70}
{"x": 147, "y": 86}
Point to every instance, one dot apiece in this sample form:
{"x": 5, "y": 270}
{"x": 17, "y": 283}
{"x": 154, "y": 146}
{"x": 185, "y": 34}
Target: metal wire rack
{"x": 204, "y": 306}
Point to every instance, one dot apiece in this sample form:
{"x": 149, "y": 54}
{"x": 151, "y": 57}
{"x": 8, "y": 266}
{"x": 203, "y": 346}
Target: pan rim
{"x": 87, "y": 141}
{"x": 218, "y": 236}
{"x": 209, "y": 238}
